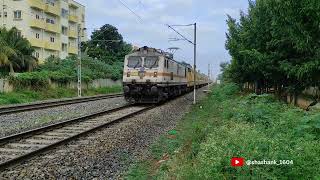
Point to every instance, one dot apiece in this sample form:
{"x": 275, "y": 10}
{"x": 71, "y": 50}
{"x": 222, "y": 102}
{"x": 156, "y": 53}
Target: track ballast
{"x": 44, "y": 105}
{"x": 22, "y": 146}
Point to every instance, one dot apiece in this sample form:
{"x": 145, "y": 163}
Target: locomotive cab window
{"x": 151, "y": 62}
{"x": 134, "y": 61}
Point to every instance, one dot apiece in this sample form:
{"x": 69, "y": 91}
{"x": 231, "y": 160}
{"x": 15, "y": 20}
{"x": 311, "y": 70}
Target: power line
{"x": 142, "y": 4}
{"x": 134, "y": 13}
{"x": 129, "y": 10}
{"x": 184, "y": 38}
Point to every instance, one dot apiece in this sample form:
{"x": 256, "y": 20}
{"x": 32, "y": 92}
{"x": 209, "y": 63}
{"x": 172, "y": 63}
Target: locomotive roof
{"x": 161, "y": 52}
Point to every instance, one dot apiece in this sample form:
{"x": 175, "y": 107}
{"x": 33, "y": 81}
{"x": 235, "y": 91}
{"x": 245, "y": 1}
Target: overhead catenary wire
{"x": 134, "y": 13}
{"x": 184, "y": 38}
{"x": 126, "y": 6}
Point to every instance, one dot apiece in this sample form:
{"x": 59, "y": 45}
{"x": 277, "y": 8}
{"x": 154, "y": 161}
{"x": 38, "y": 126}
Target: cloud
{"x": 210, "y": 16}
{"x": 224, "y": 11}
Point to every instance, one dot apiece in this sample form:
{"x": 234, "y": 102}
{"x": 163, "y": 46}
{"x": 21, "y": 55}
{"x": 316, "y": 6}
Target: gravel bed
{"x": 18, "y": 122}
{"x": 107, "y": 153}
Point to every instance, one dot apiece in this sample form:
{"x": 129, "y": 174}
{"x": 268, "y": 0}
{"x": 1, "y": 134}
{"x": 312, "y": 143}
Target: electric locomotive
{"x": 152, "y": 75}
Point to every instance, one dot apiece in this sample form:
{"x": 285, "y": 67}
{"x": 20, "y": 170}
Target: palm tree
{"x": 5, "y": 53}
{"x": 16, "y": 51}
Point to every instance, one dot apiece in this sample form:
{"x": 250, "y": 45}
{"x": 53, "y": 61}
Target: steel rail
{"x": 51, "y": 128}
{"x": 44, "y": 105}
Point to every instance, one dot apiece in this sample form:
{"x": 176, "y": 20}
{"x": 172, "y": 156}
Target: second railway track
{"x": 43, "y": 105}
{"x": 20, "y": 147}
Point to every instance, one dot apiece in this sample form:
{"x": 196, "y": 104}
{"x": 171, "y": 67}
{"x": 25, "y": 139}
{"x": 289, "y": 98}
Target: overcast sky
{"x": 210, "y": 16}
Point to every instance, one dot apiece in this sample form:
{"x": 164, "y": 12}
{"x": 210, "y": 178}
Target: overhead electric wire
{"x": 134, "y": 13}
{"x": 180, "y": 34}
{"x": 139, "y": 17}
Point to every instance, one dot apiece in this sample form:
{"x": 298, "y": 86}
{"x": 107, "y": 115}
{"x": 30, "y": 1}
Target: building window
{"x": 51, "y": 2}
{"x": 64, "y": 30}
{"x": 37, "y": 35}
{"x": 5, "y": 14}
{"x": 17, "y": 14}
{"x": 37, "y": 16}
{"x": 64, "y": 47}
{"x": 37, "y": 54}
{"x": 64, "y": 13}
{"x": 51, "y": 39}
{"x": 83, "y": 18}
{"x": 50, "y": 21}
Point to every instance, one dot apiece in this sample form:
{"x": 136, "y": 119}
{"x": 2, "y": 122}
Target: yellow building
{"x": 52, "y": 26}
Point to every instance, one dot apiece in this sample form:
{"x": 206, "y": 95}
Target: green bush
{"x": 253, "y": 127}
{"x": 64, "y": 71}
{"x": 35, "y": 80}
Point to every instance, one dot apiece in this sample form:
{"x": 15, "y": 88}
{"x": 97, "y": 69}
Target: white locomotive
{"x": 152, "y": 76}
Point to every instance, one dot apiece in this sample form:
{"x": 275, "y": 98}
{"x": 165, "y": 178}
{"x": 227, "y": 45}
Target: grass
{"x": 229, "y": 124}
{"x": 25, "y": 96}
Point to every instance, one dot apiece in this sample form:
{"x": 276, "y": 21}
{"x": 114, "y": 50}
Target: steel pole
{"x": 208, "y": 76}
{"x": 195, "y": 63}
{"x": 79, "y": 62}
{"x": 3, "y": 9}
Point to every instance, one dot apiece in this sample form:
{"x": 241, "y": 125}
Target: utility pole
{"x": 79, "y": 62}
{"x": 209, "y": 71}
{"x": 195, "y": 63}
{"x": 3, "y": 9}
{"x": 194, "y": 43}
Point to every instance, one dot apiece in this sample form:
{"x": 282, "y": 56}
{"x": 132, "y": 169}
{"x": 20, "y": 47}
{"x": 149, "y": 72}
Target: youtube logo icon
{"x": 237, "y": 162}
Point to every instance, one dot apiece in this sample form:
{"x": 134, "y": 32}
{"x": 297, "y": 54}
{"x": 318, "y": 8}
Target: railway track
{"x": 20, "y": 147}
{"x": 44, "y": 105}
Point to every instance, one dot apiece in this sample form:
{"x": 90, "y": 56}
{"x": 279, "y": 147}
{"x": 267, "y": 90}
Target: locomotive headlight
{"x": 155, "y": 74}
{"x": 128, "y": 74}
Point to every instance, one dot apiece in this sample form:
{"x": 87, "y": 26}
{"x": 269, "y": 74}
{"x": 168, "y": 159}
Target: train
{"x": 152, "y": 76}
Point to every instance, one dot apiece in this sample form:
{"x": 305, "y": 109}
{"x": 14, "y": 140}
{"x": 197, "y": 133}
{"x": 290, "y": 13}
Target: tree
{"x": 107, "y": 45}
{"x": 276, "y": 44}
{"x": 15, "y": 51}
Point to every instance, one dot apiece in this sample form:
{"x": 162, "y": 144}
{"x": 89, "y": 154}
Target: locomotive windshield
{"x": 151, "y": 62}
{"x": 134, "y": 61}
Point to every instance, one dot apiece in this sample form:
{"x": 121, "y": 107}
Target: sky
{"x": 149, "y": 29}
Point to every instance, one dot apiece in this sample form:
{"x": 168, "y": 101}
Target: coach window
{"x": 151, "y": 62}
{"x": 134, "y": 61}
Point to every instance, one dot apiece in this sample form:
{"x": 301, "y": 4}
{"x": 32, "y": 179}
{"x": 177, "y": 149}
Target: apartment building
{"x": 52, "y": 26}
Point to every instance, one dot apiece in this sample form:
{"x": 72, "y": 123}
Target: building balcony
{"x": 73, "y": 50}
{"x": 36, "y": 42}
{"x": 72, "y": 34}
{"x": 55, "y": 10}
{"x": 73, "y": 6}
{"x": 36, "y": 4}
{"x": 55, "y": 46}
{"x": 37, "y": 23}
{"x": 73, "y": 18}
{"x": 53, "y": 28}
